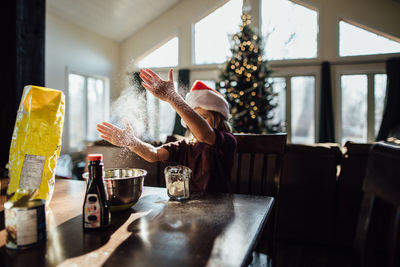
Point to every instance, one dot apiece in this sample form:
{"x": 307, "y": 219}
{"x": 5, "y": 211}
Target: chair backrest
{"x": 257, "y": 164}
{"x": 306, "y": 197}
{"x": 378, "y": 235}
{"x": 353, "y": 167}
{"x": 256, "y": 171}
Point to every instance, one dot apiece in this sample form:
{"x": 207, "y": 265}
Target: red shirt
{"x": 211, "y": 165}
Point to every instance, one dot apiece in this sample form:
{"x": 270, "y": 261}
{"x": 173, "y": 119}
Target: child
{"x": 205, "y": 113}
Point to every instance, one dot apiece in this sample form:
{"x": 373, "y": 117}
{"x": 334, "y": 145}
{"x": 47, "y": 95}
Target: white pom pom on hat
{"x": 203, "y": 96}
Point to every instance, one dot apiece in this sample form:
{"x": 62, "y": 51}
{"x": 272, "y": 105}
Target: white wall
{"x": 71, "y": 47}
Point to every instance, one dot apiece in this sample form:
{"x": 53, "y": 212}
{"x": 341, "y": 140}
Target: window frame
{"x": 106, "y": 82}
{"x": 318, "y": 39}
{"x": 163, "y": 72}
{"x": 327, "y": 50}
{"x": 368, "y": 69}
{"x": 286, "y": 72}
{"x": 197, "y": 19}
{"x": 368, "y": 29}
{"x": 295, "y": 71}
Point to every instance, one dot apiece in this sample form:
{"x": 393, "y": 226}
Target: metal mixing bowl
{"x": 124, "y": 186}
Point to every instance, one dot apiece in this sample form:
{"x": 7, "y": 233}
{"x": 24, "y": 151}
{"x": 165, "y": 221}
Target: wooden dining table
{"x": 208, "y": 230}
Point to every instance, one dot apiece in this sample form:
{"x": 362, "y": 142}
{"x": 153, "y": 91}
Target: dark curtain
{"x": 326, "y": 124}
{"x": 390, "y": 126}
{"x": 136, "y": 81}
{"x": 22, "y": 60}
{"x": 183, "y": 89}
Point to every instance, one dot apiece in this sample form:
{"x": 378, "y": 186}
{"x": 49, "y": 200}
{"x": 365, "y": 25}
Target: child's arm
{"x": 165, "y": 90}
{"x": 126, "y": 138}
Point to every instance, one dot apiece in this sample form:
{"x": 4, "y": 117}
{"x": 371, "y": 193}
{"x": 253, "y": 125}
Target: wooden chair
{"x": 258, "y": 162}
{"x": 307, "y": 193}
{"x": 256, "y": 171}
{"x": 349, "y": 193}
{"x": 306, "y": 201}
{"x": 377, "y": 235}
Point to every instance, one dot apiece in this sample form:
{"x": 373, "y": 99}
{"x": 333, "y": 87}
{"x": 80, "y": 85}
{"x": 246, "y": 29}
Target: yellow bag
{"x": 36, "y": 141}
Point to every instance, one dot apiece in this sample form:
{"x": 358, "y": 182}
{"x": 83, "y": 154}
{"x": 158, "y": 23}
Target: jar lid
{"x": 95, "y": 157}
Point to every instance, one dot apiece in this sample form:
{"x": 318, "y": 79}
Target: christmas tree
{"x": 244, "y": 82}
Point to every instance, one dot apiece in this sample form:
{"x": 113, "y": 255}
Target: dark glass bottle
{"x": 96, "y": 210}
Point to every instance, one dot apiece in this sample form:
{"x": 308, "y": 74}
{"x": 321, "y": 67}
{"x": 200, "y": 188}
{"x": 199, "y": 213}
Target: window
{"x": 379, "y": 97}
{"x": 161, "y": 118}
{"x": 361, "y": 115}
{"x": 299, "y": 115}
{"x": 354, "y": 108}
{"x": 279, "y": 87}
{"x": 88, "y": 100}
{"x": 302, "y": 109}
{"x": 164, "y": 56}
{"x": 355, "y": 41}
{"x": 211, "y": 40}
{"x": 290, "y": 30}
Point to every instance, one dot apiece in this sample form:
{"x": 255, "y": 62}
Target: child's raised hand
{"x": 163, "y": 89}
{"x": 115, "y": 135}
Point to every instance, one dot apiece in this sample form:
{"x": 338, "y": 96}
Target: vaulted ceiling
{"x": 114, "y": 19}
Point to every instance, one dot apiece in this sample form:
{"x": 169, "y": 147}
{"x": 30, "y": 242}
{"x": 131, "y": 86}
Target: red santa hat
{"x": 203, "y": 96}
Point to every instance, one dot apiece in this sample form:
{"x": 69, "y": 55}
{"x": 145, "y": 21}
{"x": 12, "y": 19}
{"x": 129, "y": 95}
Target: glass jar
{"x": 177, "y": 180}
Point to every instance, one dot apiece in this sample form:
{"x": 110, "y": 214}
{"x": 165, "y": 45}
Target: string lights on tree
{"x": 244, "y": 82}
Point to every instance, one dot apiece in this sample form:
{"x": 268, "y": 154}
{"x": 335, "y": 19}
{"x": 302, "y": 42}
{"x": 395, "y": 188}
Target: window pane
{"x": 167, "y": 120}
{"x": 211, "y": 38}
{"x": 152, "y": 110}
{"x": 76, "y": 100}
{"x": 355, "y": 41}
{"x": 302, "y": 105}
{"x": 354, "y": 108}
{"x": 96, "y": 112}
{"x": 279, "y": 86}
{"x": 290, "y": 30}
{"x": 165, "y": 56}
{"x": 379, "y": 94}
{"x": 161, "y": 119}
